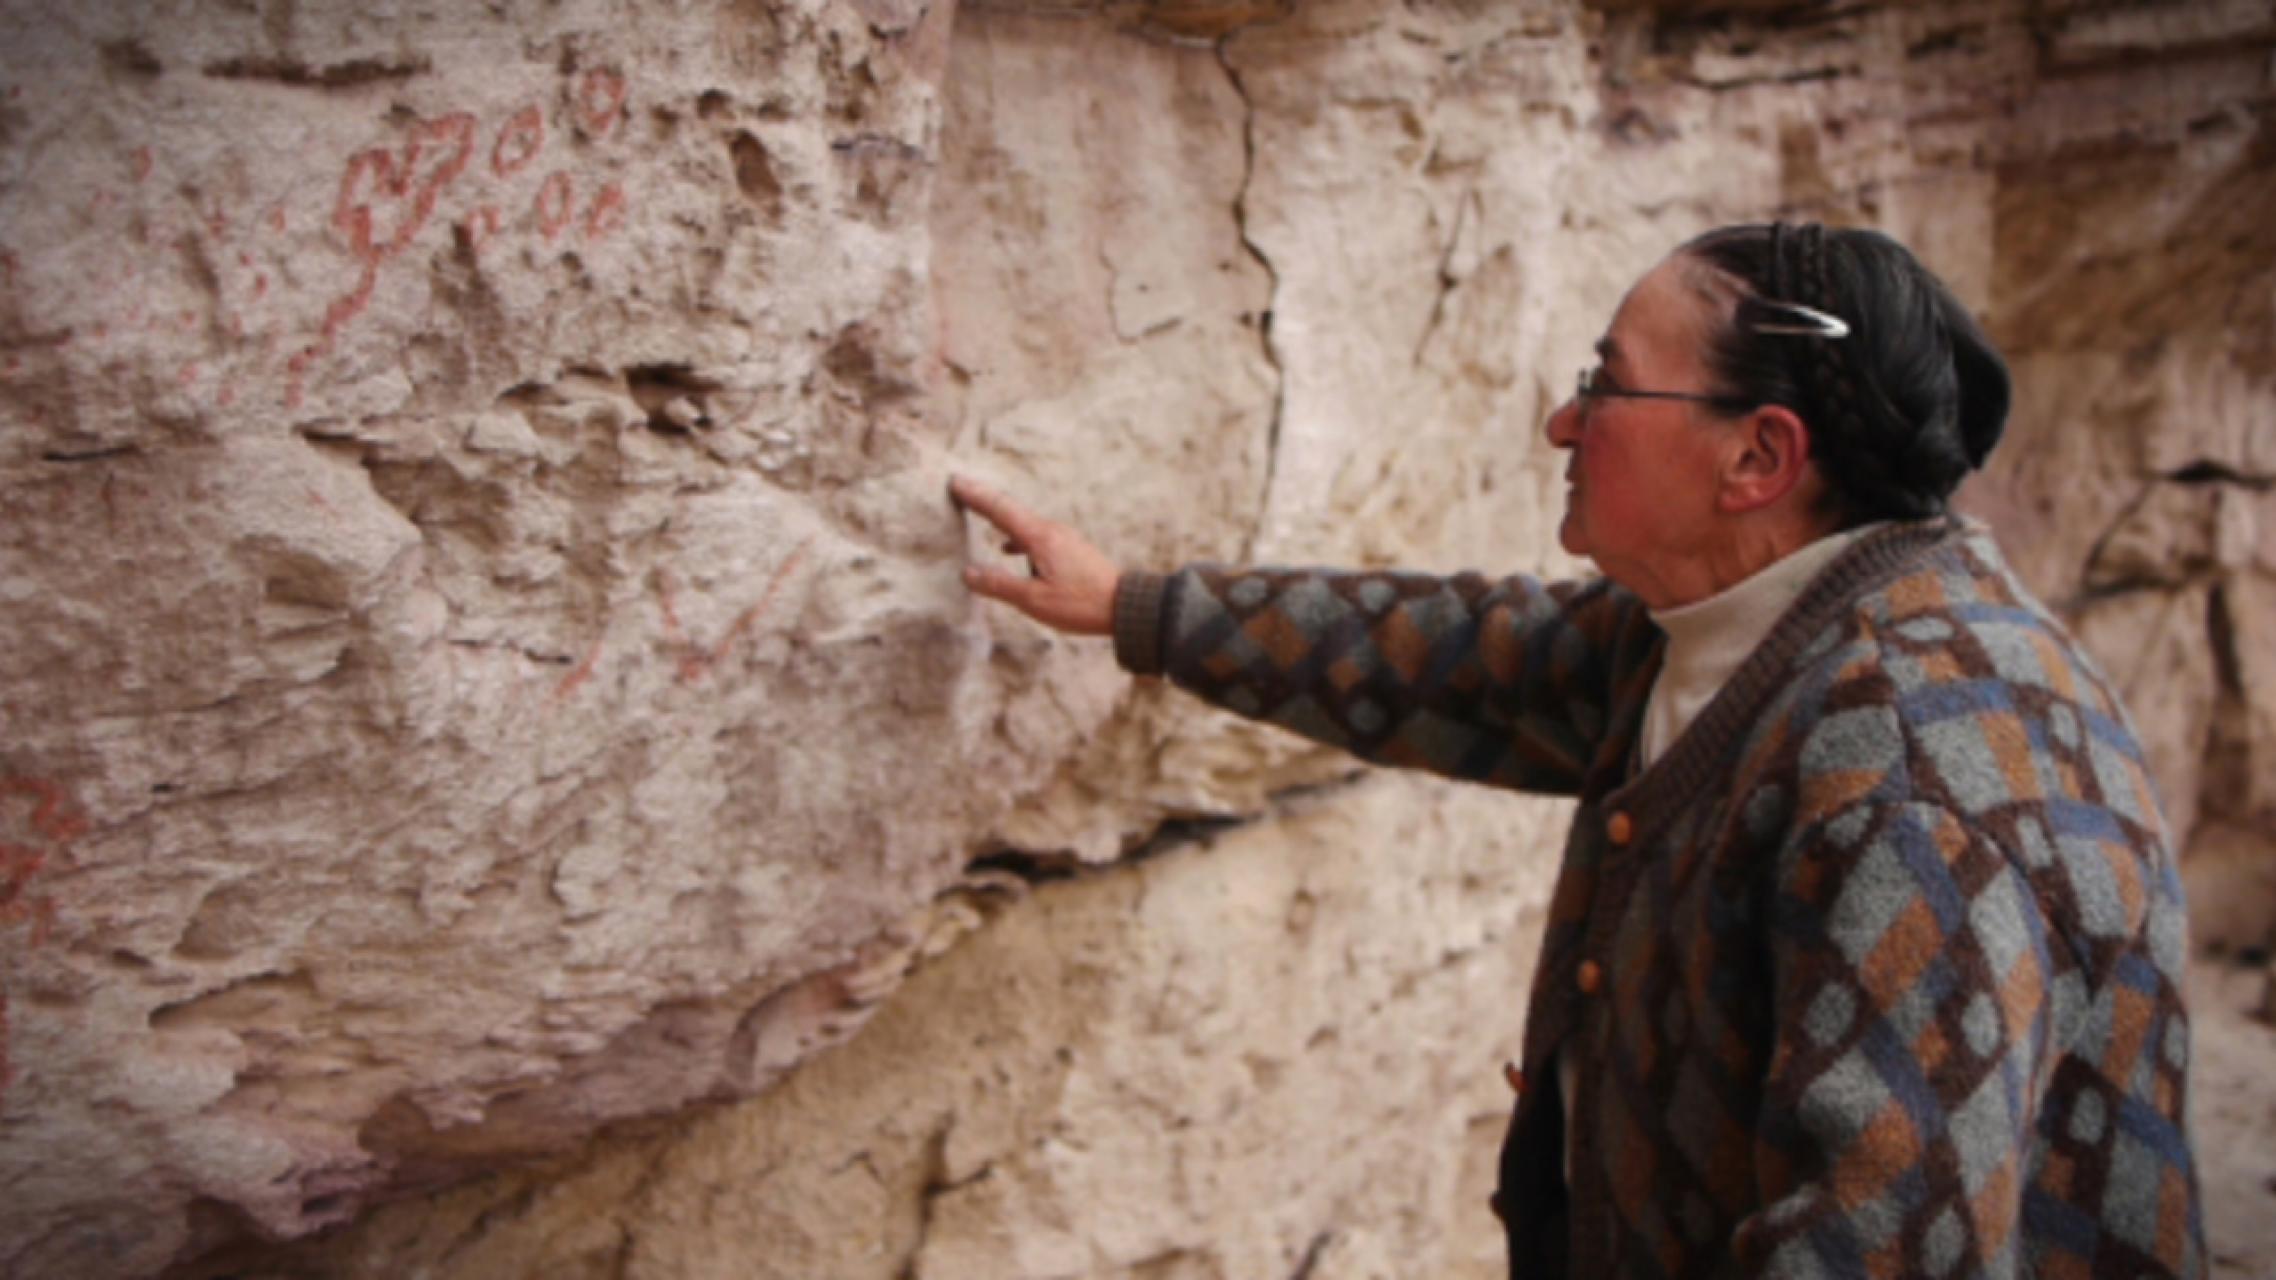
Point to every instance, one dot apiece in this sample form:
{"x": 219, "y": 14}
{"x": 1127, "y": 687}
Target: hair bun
{"x": 1902, "y": 404}
{"x": 1985, "y": 390}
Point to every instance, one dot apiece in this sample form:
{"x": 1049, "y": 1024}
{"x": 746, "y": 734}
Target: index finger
{"x": 996, "y": 509}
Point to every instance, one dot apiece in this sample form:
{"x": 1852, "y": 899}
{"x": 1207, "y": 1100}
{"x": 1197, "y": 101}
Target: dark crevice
{"x": 936, "y": 1181}
{"x": 1048, "y": 866}
{"x": 1810, "y": 76}
{"x": 2220, "y": 631}
{"x": 98, "y": 454}
{"x": 1447, "y": 280}
{"x": 531, "y": 395}
{"x": 2100, "y": 582}
{"x": 539, "y": 656}
{"x": 2094, "y": 587}
{"x": 339, "y": 442}
{"x": 2206, "y": 471}
{"x": 755, "y": 174}
{"x": 1313, "y": 1252}
{"x": 674, "y": 396}
{"x": 1034, "y": 868}
{"x": 854, "y": 363}
{"x": 1678, "y": 32}
{"x": 2055, "y": 64}
{"x": 1944, "y": 40}
{"x": 131, "y": 57}
{"x": 2224, "y": 782}
{"x": 337, "y": 75}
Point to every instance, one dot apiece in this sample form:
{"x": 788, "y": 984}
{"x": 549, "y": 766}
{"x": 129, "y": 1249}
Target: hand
{"x": 1071, "y": 587}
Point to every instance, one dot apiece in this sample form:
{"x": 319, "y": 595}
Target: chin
{"x": 1569, "y": 535}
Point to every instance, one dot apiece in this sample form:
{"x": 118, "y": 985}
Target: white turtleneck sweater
{"x": 1706, "y": 641}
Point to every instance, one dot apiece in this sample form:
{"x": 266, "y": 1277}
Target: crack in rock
{"x": 1272, "y": 294}
{"x": 2212, "y": 471}
{"x": 351, "y": 74}
{"x": 1047, "y": 866}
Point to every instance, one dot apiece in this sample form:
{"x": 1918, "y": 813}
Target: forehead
{"x": 1662, "y": 323}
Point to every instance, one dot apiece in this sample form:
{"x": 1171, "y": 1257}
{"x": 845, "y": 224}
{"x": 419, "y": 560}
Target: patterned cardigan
{"x": 1876, "y": 972}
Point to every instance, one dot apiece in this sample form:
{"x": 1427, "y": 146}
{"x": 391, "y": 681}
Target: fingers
{"x": 1018, "y": 592}
{"x": 996, "y": 509}
{"x": 1068, "y": 585}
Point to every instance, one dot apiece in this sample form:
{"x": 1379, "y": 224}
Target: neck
{"x": 1748, "y": 545}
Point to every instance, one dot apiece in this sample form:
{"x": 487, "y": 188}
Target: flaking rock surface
{"x": 484, "y": 666}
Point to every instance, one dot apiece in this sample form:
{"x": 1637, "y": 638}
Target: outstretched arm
{"x": 1507, "y": 681}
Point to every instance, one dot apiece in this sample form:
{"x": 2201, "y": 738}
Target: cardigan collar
{"x": 1708, "y": 640}
{"x": 1703, "y": 751}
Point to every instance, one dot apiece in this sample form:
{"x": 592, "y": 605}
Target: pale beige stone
{"x": 525, "y": 691}
{"x": 2240, "y": 768}
{"x": 2231, "y": 882}
{"x": 1129, "y": 1074}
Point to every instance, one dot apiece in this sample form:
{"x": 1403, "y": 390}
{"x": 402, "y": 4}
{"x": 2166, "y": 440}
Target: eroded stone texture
{"x": 494, "y": 669}
{"x": 2133, "y": 294}
{"x": 1129, "y": 1074}
{"x": 484, "y": 662}
{"x": 483, "y": 591}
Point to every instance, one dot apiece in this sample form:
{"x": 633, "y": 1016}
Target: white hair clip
{"x": 1805, "y": 322}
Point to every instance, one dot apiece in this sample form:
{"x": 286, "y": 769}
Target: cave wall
{"x": 492, "y": 716}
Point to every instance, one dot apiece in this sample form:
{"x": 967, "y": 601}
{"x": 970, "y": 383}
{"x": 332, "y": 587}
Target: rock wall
{"x": 487, "y": 687}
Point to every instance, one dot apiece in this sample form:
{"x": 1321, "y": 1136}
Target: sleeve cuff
{"x": 1138, "y": 600}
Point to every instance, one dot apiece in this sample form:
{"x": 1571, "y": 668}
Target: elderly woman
{"x": 1865, "y": 956}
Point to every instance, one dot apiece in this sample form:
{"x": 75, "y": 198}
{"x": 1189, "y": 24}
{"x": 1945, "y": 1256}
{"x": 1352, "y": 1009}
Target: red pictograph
{"x": 600, "y": 100}
{"x": 555, "y": 204}
{"x": 584, "y": 671}
{"x": 31, "y": 834}
{"x": 607, "y": 213}
{"x": 401, "y": 186}
{"x": 696, "y": 660}
{"x": 518, "y": 142}
{"x": 386, "y": 198}
{"x": 29, "y": 837}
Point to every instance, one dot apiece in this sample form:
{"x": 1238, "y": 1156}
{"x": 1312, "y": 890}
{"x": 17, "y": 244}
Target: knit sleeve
{"x": 1505, "y": 681}
{"x": 1911, "y": 974}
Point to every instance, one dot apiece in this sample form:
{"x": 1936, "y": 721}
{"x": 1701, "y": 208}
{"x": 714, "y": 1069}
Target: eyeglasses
{"x": 1757, "y": 315}
{"x": 1594, "y": 384}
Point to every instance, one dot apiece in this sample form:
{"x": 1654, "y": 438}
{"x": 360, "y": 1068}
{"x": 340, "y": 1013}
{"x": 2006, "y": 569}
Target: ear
{"x": 1768, "y": 459}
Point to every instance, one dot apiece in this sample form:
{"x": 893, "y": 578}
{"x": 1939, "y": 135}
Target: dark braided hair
{"x": 1899, "y": 409}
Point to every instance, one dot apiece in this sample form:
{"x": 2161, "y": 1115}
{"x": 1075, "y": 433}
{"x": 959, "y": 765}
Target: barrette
{"x": 1807, "y": 322}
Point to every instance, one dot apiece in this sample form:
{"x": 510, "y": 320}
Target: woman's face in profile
{"x": 1641, "y": 476}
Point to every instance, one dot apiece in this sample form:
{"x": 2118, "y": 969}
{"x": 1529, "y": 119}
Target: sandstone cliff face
{"x": 484, "y": 662}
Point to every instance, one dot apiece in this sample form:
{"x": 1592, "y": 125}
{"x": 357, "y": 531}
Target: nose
{"x": 1564, "y": 427}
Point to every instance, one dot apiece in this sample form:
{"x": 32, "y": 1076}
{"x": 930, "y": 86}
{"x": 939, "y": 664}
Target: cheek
{"x": 1604, "y": 470}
